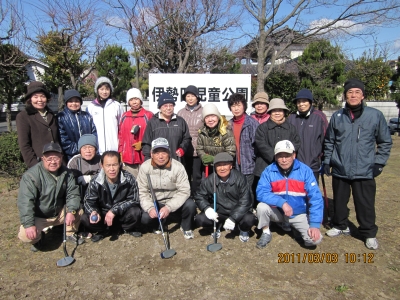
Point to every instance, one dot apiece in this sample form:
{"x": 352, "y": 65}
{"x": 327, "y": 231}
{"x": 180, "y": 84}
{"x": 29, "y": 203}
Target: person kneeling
{"x": 112, "y": 200}
{"x": 234, "y": 203}
{"x": 288, "y": 192}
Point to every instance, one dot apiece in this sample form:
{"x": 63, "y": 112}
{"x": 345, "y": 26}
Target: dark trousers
{"x": 250, "y": 182}
{"x": 129, "y": 221}
{"x": 363, "y": 191}
{"x": 245, "y": 224}
{"x": 254, "y": 189}
{"x": 187, "y": 212}
{"x": 194, "y": 171}
{"x": 316, "y": 175}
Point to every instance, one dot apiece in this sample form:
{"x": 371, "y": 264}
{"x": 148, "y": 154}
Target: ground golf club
{"x": 214, "y": 247}
{"x": 67, "y": 260}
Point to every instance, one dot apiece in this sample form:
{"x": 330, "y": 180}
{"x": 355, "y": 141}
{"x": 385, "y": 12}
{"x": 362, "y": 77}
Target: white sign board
{"x": 213, "y": 88}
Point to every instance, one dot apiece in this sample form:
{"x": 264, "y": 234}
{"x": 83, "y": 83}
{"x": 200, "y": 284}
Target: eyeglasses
{"x": 88, "y": 147}
{"x": 111, "y": 165}
{"x": 354, "y": 92}
{"x": 51, "y": 159}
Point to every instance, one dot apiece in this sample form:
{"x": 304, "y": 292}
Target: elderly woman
{"x": 36, "y": 125}
{"x": 73, "y": 123}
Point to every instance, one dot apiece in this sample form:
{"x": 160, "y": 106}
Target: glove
{"x": 378, "y": 170}
{"x": 327, "y": 170}
{"x": 180, "y": 152}
{"x": 207, "y": 159}
{"x": 211, "y": 214}
{"x": 137, "y": 146}
{"x": 229, "y": 224}
{"x": 84, "y": 179}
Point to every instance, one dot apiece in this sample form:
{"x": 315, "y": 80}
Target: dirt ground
{"x": 131, "y": 268}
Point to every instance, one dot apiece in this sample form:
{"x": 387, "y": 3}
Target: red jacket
{"x": 126, "y": 138}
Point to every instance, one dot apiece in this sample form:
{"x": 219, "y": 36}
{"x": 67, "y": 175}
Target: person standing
{"x": 168, "y": 125}
{"x": 192, "y": 114}
{"x": 106, "y": 114}
{"x": 131, "y": 130}
{"x": 261, "y": 105}
{"x": 357, "y": 147}
{"x": 73, "y": 123}
{"x": 311, "y": 126}
{"x": 37, "y": 125}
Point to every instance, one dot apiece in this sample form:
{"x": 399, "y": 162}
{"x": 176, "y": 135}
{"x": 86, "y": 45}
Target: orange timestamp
{"x": 330, "y": 258}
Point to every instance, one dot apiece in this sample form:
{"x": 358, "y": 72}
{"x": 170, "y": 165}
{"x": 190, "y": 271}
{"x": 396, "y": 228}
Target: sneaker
{"x": 336, "y": 232}
{"x": 285, "y": 226}
{"x": 218, "y": 233}
{"x": 371, "y": 243}
{"x": 133, "y": 233}
{"x": 38, "y": 246}
{"x": 264, "y": 240}
{"x": 187, "y": 234}
{"x": 77, "y": 240}
{"x": 244, "y": 236}
{"x": 85, "y": 235}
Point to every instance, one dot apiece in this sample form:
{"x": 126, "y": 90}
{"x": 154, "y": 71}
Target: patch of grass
{"x": 341, "y": 288}
{"x": 394, "y": 268}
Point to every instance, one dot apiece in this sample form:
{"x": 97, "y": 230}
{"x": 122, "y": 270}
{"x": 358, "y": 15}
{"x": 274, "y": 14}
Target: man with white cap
{"x": 131, "y": 131}
{"x": 288, "y": 192}
{"x": 171, "y": 188}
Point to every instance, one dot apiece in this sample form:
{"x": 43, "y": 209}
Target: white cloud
{"x": 397, "y": 44}
{"x": 339, "y": 28}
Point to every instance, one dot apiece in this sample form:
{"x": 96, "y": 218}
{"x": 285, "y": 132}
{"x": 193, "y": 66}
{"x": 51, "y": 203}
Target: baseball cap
{"x": 52, "y": 147}
{"x": 159, "y": 143}
{"x": 284, "y": 146}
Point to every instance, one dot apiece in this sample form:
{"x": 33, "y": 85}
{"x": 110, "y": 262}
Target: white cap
{"x": 133, "y": 93}
{"x": 284, "y": 146}
{"x": 159, "y": 143}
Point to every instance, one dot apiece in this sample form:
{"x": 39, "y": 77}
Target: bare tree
{"x": 346, "y": 18}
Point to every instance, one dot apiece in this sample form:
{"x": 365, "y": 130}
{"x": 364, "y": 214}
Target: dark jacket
{"x": 267, "y": 135}
{"x": 233, "y": 198}
{"x": 353, "y": 147}
{"x": 311, "y": 130}
{"x": 98, "y": 196}
{"x": 41, "y": 196}
{"x": 34, "y": 132}
{"x": 71, "y": 126}
{"x": 176, "y": 132}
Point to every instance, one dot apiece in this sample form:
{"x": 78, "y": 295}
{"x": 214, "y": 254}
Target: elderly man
{"x": 112, "y": 200}
{"x": 234, "y": 202}
{"x": 288, "y": 192}
{"x": 357, "y": 147}
{"x": 43, "y": 192}
{"x": 171, "y": 187}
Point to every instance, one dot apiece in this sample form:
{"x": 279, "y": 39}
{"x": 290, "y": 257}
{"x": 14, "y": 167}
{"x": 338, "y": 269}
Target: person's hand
{"x": 69, "y": 219}
{"x": 94, "y": 213}
{"x": 207, "y": 159}
{"x": 377, "y": 170}
{"x": 153, "y": 213}
{"x": 327, "y": 170}
{"x": 229, "y": 224}
{"x": 137, "y": 146}
{"x": 164, "y": 212}
{"x": 314, "y": 233}
{"x": 287, "y": 209}
{"x": 180, "y": 152}
{"x": 211, "y": 214}
{"x": 31, "y": 232}
{"x": 84, "y": 179}
{"x": 109, "y": 218}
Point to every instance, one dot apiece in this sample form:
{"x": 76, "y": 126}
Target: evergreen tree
{"x": 395, "y": 87}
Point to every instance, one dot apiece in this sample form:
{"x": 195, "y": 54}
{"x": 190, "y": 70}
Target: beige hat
{"x": 277, "y": 103}
{"x": 260, "y": 97}
{"x": 284, "y": 146}
{"x": 210, "y": 109}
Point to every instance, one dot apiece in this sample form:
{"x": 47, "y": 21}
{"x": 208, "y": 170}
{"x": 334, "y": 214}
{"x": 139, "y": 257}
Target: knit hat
{"x": 223, "y": 157}
{"x": 164, "y": 99}
{"x": 354, "y": 83}
{"x": 284, "y": 146}
{"x": 304, "y": 94}
{"x": 159, "y": 143}
{"x": 133, "y": 93}
{"x": 260, "y": 97}
{"x": 210, "y": 109}
{"x": 70, "y": 94}
{"x": 100, "y": 81}
{"x": 192, "y": 90}
{"x": 87, "y": 139}
{"x": 36, "y": 87}
{"x": 277, "y": 103}
{"x": 52, "y": 147}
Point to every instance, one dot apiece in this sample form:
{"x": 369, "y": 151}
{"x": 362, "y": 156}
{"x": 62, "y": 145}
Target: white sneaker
{"x": 336, "y": 232}
{"x": 244, "y": 236}
{"x": 188, "y": 234}
{"x": 371, "y": 243}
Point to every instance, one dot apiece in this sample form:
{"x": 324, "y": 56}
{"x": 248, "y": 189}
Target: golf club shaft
{"x": 65, "y": 232}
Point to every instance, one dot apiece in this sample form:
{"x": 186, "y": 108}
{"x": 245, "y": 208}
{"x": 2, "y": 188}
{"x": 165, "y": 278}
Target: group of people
{"x": 104, "y": 164}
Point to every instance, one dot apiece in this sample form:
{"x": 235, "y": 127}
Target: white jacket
{"x": 106, "y": 121}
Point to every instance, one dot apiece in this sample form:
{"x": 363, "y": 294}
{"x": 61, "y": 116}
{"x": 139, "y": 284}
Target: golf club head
{"x": 168, "y": 253}
{"x": 214, "y": 247}
{"x": 65, "y": 261}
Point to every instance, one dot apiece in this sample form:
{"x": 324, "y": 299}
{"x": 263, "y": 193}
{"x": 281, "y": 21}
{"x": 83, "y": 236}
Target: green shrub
{"x": 11, "y": 161}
